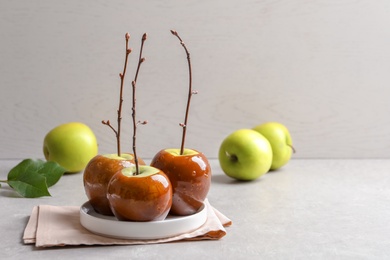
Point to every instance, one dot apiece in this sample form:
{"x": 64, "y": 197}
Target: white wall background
{"x": 321, "y": 67}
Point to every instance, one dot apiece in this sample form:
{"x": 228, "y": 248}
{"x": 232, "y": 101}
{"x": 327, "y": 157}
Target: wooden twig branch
{"x": 135, "y": 122}
{"x": 119, "y": 111}
{"x": 190, "y": 92}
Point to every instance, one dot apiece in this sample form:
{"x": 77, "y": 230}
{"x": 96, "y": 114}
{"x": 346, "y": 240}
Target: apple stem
{"x": 232, "y": 157}
{"x": 136, "y": 123}
{"x": 190, "y": 92}
{"x": 292, "y": 147}
{"x": 119, "y": 119}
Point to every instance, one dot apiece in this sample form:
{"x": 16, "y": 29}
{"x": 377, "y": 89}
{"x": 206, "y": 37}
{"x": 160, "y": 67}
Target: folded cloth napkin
{"x": 50, "y": 226}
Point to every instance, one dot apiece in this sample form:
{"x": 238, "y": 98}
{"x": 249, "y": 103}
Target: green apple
{"x": 71, "y": 145}
{"x": 280, "y": 139}
{"x": 245, "y": 155}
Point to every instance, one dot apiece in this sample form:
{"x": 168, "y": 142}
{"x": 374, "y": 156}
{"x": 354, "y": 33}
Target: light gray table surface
{"x": 310, "y": 209}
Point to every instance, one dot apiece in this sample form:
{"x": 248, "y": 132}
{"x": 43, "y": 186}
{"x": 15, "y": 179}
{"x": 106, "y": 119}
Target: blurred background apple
{"x": 71, "y": 145}
{"x": 245, "y": 155}
{"x": 280, "y": 139}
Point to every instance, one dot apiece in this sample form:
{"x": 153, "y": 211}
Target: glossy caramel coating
{"x": 190, "y": 176}
{"x": 97, "y": 175}
{"x": 140, "y": 198}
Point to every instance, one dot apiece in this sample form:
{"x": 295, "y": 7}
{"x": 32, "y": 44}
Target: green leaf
{"x": 30, "y": 185}
{"x": 52, "y": 171}
{"x": 31, "y": 178}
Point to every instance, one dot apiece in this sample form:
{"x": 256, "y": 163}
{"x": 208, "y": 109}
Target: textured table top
{"x": 311, "y": 209}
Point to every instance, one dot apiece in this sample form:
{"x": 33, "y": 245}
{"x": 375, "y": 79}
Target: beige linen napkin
{"x": 60, "y": 226}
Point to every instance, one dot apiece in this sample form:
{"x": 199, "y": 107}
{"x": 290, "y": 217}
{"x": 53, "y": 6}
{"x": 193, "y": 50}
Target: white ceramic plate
{"x": 111, "y": 227}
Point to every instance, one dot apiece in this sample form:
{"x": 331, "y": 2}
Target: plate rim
{"x": 110, "y": 227}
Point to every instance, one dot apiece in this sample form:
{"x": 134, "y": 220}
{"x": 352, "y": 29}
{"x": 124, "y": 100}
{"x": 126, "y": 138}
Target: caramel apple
{"x": 146, "y": 196}
{"x": 138, "y": 192}
{"x": 188, "y": 170}
{"x": 190, "y": 176}
{"x": 97, "y": 175}
{"x": 102, "y": 168}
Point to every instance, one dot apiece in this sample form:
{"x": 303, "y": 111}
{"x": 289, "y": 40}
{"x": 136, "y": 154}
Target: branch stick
{"x": 135, "y": 123}
{"x": 190, "y": 92}
{"x": 119, "y": 111}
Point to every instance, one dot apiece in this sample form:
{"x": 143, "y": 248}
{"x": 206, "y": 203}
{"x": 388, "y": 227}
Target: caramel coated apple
{"x": 97, "y": 175}
{"x": 190, "y": 176}
{"x": 146, "y": 196}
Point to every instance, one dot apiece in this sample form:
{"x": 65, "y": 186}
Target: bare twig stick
{"x": 109, "y": 125}
{"x": 119, "y": 111}
{"x": 190, "y": 92}
{"x": 135, "y": 123}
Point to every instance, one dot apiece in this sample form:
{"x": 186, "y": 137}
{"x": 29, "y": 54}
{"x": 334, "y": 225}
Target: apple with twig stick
{"x": 188, "y": 170}
{"x": 101, "y": 168}
{"x": 139, "y": 192}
